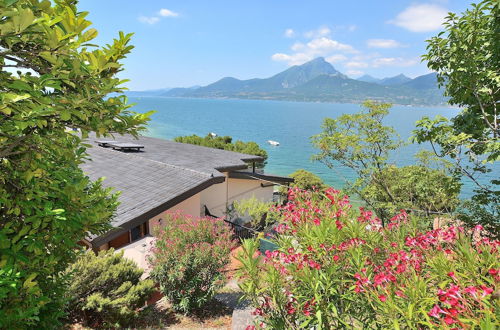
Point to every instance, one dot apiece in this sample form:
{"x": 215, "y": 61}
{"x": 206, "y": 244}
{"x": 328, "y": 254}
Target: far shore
{"x": 294, "y": 101}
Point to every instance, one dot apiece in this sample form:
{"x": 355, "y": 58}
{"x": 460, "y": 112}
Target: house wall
{"x": 219, "y": 196}
{"x": 239, "y": 189}
{"x": 214, "y": 197}
{"x": 190, "y": 206}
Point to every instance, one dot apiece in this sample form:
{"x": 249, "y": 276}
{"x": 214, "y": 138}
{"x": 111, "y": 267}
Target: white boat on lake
{"x": 273, "y": 143}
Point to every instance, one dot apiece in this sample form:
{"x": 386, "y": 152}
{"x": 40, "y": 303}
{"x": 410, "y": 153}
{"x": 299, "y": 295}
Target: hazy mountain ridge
{"x": 319, "y": 81}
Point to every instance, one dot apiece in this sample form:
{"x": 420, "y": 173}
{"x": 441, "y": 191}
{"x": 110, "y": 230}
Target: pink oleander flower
{"x": 435, "y": 311}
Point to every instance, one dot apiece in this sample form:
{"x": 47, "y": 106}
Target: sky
{"x": 197, "y": 42}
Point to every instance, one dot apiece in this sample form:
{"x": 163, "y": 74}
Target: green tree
{"x": 224, "y": 143}
{"x": 306, "y": 180}
{"x": 52, "y": 81}
{"x": 466, "y": 56}
{"x": 415, "y": 187}
{"x": 106, "y": 289}
{"x": 361, "y": 142}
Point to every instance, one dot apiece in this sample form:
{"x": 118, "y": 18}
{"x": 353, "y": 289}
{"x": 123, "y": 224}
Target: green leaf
{"x": 65, "y": 115}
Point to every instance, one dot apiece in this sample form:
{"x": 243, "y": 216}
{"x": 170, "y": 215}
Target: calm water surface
{"x": 290, "y": 123}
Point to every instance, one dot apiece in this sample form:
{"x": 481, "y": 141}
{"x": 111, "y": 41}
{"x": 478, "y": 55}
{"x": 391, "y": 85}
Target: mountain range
{"x": 319, "y": 81}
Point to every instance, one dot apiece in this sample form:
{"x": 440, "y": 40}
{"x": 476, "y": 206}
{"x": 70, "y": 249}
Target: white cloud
{"x": 167, "y": 13}
{"x": 352, "y": 73}
{"x": 336, "y": 58}
{"x": 421, "y": 17}
{"x": 289, "y": 33}
{"x": 298, "y": 46}
{"x": 318, "y": 44}
{"x": 149, "y": 20}
{"x": 356, "y": 65}
{"x": 323, "y": 44}
{"x": 322, "y": 31}
{"x": 155, "y": 19}
{"x": 294, "y": 59}
{"x": 394, "y": 61}
{"x": 383, "y": 43}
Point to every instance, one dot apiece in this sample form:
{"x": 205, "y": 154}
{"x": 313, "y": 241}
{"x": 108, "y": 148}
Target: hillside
{"x": 319, "y": 81}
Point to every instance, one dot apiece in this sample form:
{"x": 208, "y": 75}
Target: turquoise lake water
{"x": 290, "y": 123}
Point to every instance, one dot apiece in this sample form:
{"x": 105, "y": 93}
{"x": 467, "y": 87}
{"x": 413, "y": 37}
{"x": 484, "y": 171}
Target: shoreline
{"x": 292, "y": 101}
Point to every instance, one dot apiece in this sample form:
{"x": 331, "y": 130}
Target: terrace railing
{"x": 242, "y": 232}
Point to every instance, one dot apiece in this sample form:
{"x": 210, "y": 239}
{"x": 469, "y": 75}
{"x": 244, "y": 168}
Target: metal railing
{"x": 242, "y": 232}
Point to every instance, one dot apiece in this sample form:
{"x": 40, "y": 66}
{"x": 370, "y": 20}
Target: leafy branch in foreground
{"x": 52, "y": 81}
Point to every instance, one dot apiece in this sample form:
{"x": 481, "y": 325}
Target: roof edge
{"x": 259, "y": 176}
{"x": 117, "y": 231}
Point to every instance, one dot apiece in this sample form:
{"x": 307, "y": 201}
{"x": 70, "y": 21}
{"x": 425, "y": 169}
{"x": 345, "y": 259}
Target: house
{"x": 156, "y": 176}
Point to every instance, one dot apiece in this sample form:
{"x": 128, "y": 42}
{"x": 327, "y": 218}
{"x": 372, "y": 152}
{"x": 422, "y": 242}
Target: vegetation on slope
{"x": 224, "y": 143}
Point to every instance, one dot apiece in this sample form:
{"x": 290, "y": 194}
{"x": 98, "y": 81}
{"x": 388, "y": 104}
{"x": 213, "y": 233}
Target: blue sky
{"x": 196, "y": 42}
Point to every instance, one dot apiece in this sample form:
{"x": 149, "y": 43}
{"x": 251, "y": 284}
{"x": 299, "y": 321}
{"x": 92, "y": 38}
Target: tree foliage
{"x": 256, "y": 209}
{"x": 106, "y": 289}
{"x": 224, "y": 143}
{"x": 466, "y": 56}
{"x": 306, "y": 180}
{"x": 363, "y": 143}
{"x": 415, "y": 187}
{"x": 52, "y": 80}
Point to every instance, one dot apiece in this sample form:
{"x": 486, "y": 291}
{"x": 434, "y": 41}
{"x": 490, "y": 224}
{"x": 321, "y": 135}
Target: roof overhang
{"x": 260, "y": 176}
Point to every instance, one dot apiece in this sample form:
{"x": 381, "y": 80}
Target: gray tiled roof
{"x": 203, "y": 159}
{"x": 153, "y": 180}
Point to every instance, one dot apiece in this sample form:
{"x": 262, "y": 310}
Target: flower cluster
{"x": 334, "y": 258}
{"x": 188, "y": 258}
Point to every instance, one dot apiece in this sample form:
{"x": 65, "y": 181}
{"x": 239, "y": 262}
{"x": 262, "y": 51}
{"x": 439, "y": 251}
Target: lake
{"x": 290, "y": 123}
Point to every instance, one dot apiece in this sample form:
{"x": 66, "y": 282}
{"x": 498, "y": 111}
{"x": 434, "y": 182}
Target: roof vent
{"x": 125, "y": 146}
{"x": 105, "y": 143}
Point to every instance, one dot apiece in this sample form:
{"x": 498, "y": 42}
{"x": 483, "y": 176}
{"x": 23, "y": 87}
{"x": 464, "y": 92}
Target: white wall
{"x": 214, "y": 197}
{"x": 219, "y": 196}
{"x": 239, "y": 189}
{"x": 190, "y": 206}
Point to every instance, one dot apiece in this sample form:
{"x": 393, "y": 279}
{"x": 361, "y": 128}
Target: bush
{"x": 415, "y": 187}
{"x": 259, "y": 211}
{"x": 304, "y": 180}
{"x": 339, "y": 268}
{"x": 224, "y": 143}
{"x": 106, "y": 289}
{"x": 188, "y": 259}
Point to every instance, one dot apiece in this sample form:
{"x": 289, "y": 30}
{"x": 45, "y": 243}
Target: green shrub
{"x": 305, "y": 180}
{"x": 188, "y": 259}
{"x": 417, "y": 187}
{"x": 106, "y": 289}
{"x": 256, "y": 209}
{"x": 224, "y": 143}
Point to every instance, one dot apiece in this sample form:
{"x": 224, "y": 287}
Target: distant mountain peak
{"x": 318, "y": 80}
{"x": 396, "y": 80}
{"x": 317, "y": 61}
{"x": 368, "y": 78}
{"x": 320, "y": 59}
